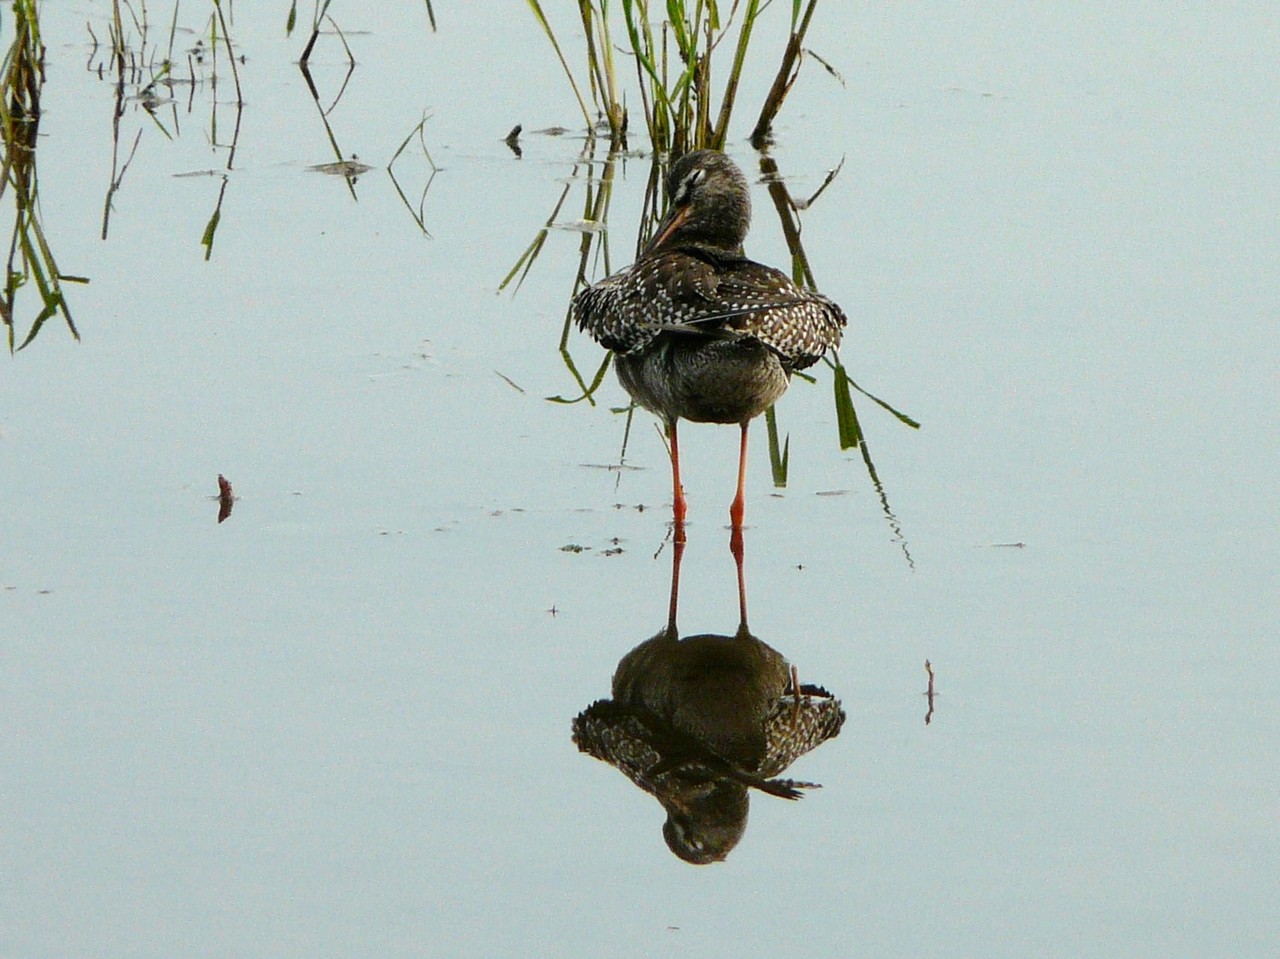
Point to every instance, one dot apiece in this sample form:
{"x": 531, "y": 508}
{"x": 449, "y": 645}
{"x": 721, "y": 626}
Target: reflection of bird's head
{"x": 708, "y": 205}
{"x": 705, "y": 829}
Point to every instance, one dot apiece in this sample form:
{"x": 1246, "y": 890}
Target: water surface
{"x": 338, "y": 723}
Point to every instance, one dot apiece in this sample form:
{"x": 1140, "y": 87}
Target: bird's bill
{"x": 670, "y": 223}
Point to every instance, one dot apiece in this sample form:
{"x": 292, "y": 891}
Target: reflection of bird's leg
{"x": 739, "y": 507}
{"x": 677, "y": 551}
{"x": 678, "y": 505}
{"x": 736, "y": 547}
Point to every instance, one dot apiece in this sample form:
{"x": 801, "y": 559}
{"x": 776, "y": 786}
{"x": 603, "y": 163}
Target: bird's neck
{"x": 714, "y": 253}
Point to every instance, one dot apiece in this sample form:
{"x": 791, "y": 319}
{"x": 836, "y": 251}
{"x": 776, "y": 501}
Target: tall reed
{"x": 673, "y": 47}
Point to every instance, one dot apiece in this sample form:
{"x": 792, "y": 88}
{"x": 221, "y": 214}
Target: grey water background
{"x": 338, "y": 723}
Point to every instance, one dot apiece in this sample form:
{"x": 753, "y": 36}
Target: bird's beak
{"x": 670, "y": 223}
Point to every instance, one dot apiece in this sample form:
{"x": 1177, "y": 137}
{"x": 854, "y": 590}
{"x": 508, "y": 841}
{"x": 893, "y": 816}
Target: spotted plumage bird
{"x": 699, "y": 331}
{"x": 699, "y": 722}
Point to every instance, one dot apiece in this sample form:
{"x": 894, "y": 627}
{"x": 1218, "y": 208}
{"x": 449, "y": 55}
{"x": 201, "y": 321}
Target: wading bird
{"x": 700, "y": 332}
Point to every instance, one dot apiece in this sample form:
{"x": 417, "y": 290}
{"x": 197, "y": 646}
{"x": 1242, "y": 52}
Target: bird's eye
{"x": 686, "y": 187}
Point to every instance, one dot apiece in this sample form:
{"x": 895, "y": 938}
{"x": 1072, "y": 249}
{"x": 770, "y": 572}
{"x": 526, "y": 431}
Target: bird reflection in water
{"x": 701, "y": 721}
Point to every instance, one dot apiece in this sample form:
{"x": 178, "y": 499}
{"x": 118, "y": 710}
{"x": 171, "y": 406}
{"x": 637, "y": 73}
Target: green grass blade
{"x": 897, "y": 414}
{"x": 846, "y": 415}
{"x": 588, "y": 391}
{"x": 721, "y": 129}
{"x": 779, "y": 458}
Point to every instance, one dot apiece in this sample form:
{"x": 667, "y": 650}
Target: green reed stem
{"x": 30, "y": 257}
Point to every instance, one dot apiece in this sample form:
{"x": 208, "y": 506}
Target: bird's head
{"x": 708, "y": 205}
{"x": 705, "y": 828}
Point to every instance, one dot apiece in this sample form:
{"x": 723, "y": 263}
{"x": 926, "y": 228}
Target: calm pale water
{"x": 338, "y": 723}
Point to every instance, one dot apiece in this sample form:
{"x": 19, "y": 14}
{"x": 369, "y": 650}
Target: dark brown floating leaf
{"x": 226, "y": 497}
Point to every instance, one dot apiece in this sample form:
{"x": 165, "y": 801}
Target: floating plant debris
{"x": 226, "y": 498}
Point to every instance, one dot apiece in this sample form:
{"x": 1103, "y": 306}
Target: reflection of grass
{"x": 321, "y": 12}
{"x": 597, "y": 193}
{"x": 30, "y": 259}
{"x": 673, "y": 46}
{"x": 848, "y": 425}
{"x": 305, "y": 68}
{"x": 144, "y": 72}
{"x": 419, "y": 215}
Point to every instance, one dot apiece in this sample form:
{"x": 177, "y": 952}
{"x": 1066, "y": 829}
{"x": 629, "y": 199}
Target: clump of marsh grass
{"x": 593, "y": 249}
{"x": 30, "y": 260}
{"x": 136, "y": 59}
{"x": 673, "y": 50}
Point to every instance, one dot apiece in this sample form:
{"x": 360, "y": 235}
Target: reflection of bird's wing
{"x": 792, "y": 732}
{"x": 618, "y": 736}
{"x": 664, "y": 762}
{"x": 653, "y": 754}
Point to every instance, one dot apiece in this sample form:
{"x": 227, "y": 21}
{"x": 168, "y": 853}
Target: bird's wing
{"x": 764, "y": 303}
{"x": 625, "y": 311}
{"x": 678, "y": 292}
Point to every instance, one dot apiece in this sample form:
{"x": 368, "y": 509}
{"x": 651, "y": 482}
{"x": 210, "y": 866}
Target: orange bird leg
{"x": 739, "y": 508}
{"x": 678, "y": 505}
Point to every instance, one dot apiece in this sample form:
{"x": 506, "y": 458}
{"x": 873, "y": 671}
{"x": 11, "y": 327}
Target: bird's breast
{"x": 703, "y": 379}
